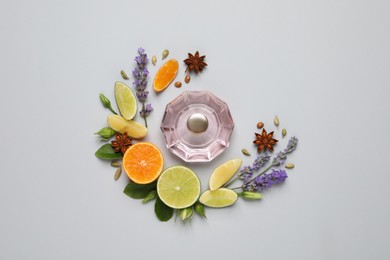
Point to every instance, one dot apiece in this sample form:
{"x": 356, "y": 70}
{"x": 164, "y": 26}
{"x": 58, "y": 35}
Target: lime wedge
{"x": 218, "y": 198}
{"x": 126, "y": 101}
{"x": 224, "y": 173}
{"x": 178, "y": 187}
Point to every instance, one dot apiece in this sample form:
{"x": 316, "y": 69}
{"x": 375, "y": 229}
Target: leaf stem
{"x": 112, "y": 110}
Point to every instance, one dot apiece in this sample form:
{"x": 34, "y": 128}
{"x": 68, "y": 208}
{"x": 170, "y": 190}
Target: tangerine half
{"x": 143, "y": 162}
{"x": 165, "y": 75}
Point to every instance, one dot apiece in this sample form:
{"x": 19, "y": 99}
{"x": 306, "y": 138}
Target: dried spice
{"x": 265, "y": 141}
{"x": 122, "y": 143}
{"x": 289, "y": 166}
{"x": 118, "y": 173}
{"x": 154, "y": 60}
{"x": 124, "y": 75}
{"x": 195, "y": 62}
{"x": 178, "y": 84}
{"x": 276, "y": 121}
{"x": 165, "y": 54}
{"x": 116, "y": 164}
{"x": 284, "y": 132}
{"x": 260, "y": 125}
{"x": 245, "y": 152}
{"x": 187, "y": 79}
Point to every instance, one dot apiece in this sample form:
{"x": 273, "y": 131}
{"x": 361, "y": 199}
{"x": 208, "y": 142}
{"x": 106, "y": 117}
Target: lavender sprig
{"x": 140, "y": 74}
{"x": 246, "y": 172}
{"x": 266, "y": 181}
{"x": 281, "y": 157}
{"x": 249, "y": 183}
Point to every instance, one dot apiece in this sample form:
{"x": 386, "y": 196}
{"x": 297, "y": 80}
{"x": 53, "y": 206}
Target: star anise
{"x": 195, "y": 63}
{"x": 122, "y": 142}
{"x": 265, "y": 141}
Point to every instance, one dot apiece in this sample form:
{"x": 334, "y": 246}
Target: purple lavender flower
{"x": 281, "y": 157}
{"x": 266, "y": 181}
{"x": 145, "y": 112}
{"x": 247, "y": 171}
{"x": 263, "y": 180}
{"x": 142, "y": 59}
{"x": 142, "y": 95}
{"x": 140, "y": 74}
{"x": 260, "y": 161}
{"x": 292, "y": 144}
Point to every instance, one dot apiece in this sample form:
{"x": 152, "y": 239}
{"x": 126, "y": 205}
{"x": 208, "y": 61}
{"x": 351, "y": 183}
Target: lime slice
{"x": 126, "y": 101}
{"x": 223, "y": 173}
{"x": 178, "y": 187}
{"x": 218, "y": 198}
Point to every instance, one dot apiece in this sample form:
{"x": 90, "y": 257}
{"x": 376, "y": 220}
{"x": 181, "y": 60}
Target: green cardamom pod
{"x": 245, "y": 152}
{"x": 276, "y": 121}
{"x": 106, "y": 103}
{"x": 106, "y": 132}
{"x": 289, "y": 166}
{"x": 186, "y": 213}
{"x": 116, "y": 164}
{"x": 199, "y": 209}
{"x": 118, "y": 173}
{"x": 284, "y": 132}
{"x": 154, "y": 60}
{"x": 165, "y": 54}
{"x": 151, "y": 196}
{"x": 250, "y": 195}
{"x": 124, "y": 75}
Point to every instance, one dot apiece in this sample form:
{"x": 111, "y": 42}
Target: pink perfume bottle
{"x": 197, "y": 126}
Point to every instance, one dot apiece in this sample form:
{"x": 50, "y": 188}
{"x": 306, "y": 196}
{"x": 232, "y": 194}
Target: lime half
{"x": 126, "y": 101}
{"x": 218, "y": 198}
{"x": 224, "y": 173}
{"x": 178, "y": 187}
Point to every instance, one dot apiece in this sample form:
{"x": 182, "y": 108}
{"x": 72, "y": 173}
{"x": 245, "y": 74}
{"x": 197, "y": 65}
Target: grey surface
{"x": 321, "y": 66}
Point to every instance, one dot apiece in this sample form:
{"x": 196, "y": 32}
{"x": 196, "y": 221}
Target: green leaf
{"x": 151, "y": 196}
{"x": 250, "y": 195}
{"x": 163, "y": 212}
{"x": 108, "y": 153}
{"x": 139, "y": 191}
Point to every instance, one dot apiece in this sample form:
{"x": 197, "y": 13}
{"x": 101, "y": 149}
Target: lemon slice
{"x": 126, "y": 101}
{"x": 218, "y": 198}
{"x": 178, "y": 187}
{"x": 224, "y": 173}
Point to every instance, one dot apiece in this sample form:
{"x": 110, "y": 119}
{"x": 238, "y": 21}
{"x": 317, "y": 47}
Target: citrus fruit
{"x": 126, "y": 101}
{"x": 143, "y": 162}
{"x": 218, "y": 198}
{"x": 165, "y": 75}
{"x": 178, "y": 187}
{"x": 132, "y": 128}
{"x": 223, "y": 173}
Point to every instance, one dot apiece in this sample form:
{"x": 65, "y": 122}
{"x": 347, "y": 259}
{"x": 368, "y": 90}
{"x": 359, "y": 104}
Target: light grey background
{"x": 321, "y": 66}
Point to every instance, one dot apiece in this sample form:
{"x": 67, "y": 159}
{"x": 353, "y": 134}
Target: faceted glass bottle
{"x": 197, "y": 126}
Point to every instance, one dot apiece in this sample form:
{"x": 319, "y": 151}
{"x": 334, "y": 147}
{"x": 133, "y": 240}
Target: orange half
{"x": 143, "y": 162}
{"x": 165, "y": 75}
